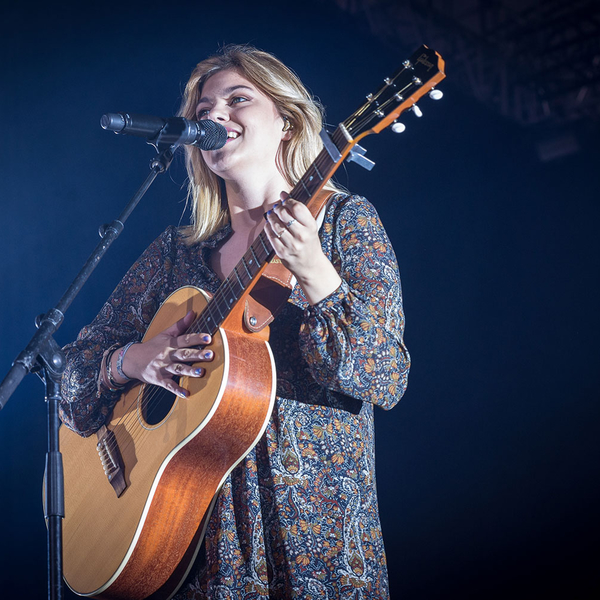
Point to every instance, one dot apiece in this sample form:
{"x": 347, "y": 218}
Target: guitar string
{"x": 131, "y": 416}
{"x": 365, "y": 121}
{"x": 369, "y": 105}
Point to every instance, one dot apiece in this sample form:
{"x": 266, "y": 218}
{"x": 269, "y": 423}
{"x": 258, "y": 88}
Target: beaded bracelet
{"x": 120, "y": 360}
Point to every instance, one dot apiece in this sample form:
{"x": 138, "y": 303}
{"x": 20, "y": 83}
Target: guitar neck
{"x": 400, "y": 92}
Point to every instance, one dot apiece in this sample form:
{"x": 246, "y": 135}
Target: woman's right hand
{"x": 168, "y": 353}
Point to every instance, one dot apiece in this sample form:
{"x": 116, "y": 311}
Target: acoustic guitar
{"x": 138, "y": 495}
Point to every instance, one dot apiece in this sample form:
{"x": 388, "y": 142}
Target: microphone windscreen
{"x": 214, "y": 137}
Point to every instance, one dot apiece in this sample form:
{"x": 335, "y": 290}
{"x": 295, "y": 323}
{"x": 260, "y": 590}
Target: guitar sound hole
{"x": 156, "y": 404}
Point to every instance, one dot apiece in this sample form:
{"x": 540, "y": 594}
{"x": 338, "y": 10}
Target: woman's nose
{"x": 218, "y": 113}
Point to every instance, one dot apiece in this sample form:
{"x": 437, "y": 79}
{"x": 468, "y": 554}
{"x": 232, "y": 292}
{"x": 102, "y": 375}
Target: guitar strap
{"x": 273, "y": 289}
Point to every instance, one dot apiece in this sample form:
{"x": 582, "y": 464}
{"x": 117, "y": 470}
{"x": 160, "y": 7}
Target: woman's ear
{"x": 287, "y": 129}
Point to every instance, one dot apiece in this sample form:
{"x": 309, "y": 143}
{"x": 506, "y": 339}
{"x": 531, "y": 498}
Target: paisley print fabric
{"x": 298, "y": 518}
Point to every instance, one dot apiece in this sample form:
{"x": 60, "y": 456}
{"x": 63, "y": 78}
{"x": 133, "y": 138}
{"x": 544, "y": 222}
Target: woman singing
{"x": 298, "y": 517}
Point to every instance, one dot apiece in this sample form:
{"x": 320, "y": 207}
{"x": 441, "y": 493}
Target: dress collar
{"x": 217, "y": 237}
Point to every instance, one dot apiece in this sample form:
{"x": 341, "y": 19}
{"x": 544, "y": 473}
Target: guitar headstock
{"x": 417, "y": 76}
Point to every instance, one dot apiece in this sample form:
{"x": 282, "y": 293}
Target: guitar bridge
{"x": 111, "y": 459}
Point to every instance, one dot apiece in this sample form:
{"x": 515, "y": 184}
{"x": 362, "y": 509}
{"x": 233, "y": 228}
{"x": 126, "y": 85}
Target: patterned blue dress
{"x": 298, "y": 517}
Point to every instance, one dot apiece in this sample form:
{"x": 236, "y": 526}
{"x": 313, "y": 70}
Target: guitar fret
{"x": 325, "y": 161}
{"x": 216, "y": 303}
{"x": 241, "y": 283}
{"x": 251, "y": 249}
{"x": 206, "y": 324}
{"x": 234, "y": 296}
{"x": 209, "y": 318}
{"x": 304, "y": 186}
{"x": 251, "y": 262}
{"x": 298, "y": 193}
{"x": 236, "y": 284}
{"x": 266, "y": 248}
{"x": 246, "y": 267}
{"x": 228, "y": 292}
{"x": 338, "y": 136}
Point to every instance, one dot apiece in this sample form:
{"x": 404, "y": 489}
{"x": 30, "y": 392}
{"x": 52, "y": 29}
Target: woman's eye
{"x": 238, "y": 99}
{"x": 202, "y": 112}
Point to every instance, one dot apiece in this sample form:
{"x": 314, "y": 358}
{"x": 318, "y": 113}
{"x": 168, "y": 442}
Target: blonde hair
{"x": 292, "y": 100}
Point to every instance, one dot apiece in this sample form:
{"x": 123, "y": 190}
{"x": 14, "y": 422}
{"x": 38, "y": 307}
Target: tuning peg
{"x": 418, "y": 112}
{"x": 398, "y": 127}
{"x": 436, "y": 94}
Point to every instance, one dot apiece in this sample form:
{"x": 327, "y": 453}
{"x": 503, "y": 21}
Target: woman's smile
{"x": 231, "y": 135}
{"x": 254, "y": 125}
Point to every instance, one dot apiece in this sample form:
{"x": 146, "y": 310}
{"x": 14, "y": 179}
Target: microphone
{"x": 206, "y": 135}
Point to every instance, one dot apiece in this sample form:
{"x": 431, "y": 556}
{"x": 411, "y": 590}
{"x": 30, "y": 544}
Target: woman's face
{"x": 253, "y": 123}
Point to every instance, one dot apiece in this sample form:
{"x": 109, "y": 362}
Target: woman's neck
{"x": 250, "y": 198}
{"x": 247, "y": 205}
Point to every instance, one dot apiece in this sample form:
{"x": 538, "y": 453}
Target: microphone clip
{"x": 170, "y": 135}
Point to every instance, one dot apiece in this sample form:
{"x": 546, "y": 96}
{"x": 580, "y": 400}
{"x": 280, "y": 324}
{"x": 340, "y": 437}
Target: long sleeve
{"x": 353, "y": 339}
{"x": 123, "y": 318}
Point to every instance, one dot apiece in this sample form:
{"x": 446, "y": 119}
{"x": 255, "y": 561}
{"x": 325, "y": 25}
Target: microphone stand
{"x": 43, "y": 356}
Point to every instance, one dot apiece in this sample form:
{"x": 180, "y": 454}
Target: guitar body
{"x": 143, "y": 543}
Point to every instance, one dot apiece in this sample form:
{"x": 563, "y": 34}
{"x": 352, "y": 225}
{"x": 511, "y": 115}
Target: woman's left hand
{"x": 294, "y": 235}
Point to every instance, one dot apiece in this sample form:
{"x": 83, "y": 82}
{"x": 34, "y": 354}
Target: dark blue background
{"x": 487, "y": 469}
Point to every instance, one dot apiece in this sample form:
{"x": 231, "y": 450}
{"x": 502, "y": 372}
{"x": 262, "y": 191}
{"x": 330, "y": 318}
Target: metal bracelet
{"x": 111, "y": 380}
{"x": 120, "y": 360}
